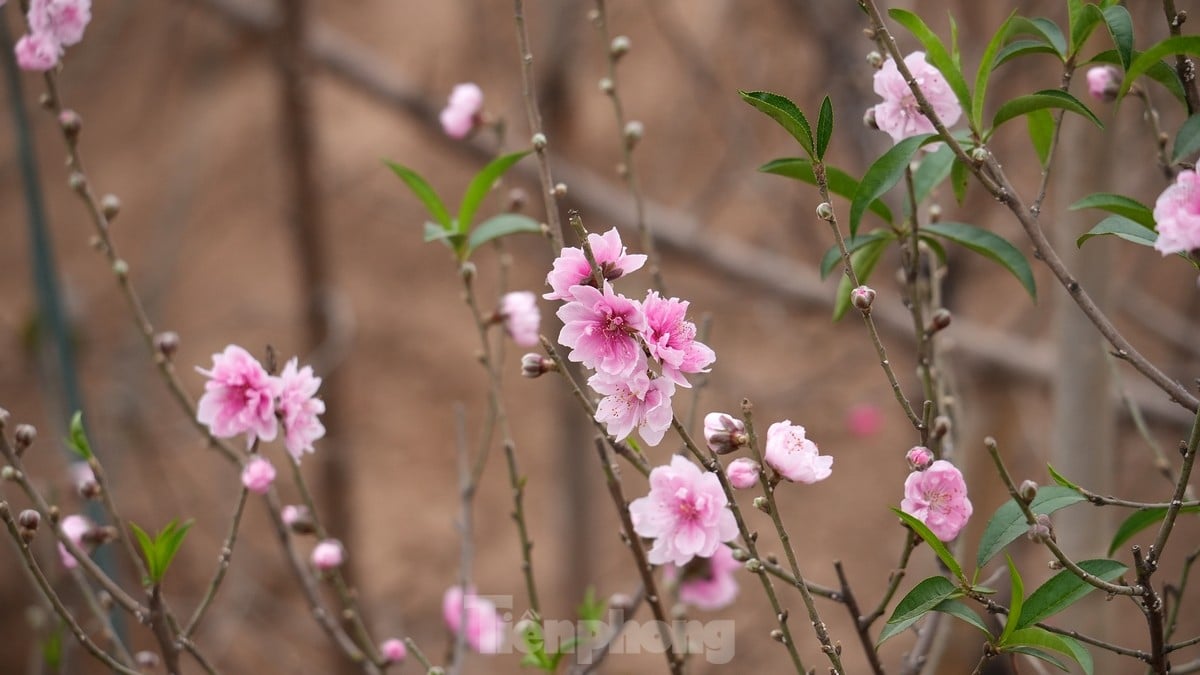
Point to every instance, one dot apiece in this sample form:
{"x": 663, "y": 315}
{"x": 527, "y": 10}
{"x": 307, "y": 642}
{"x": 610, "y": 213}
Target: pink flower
{"x": 708, "y": 583}
{"x": 75, "y": 528}
{"x": 82, "y": 476}
{"x": 571, "y": 268}
{"x": 38, "y": 52}
{"x": 686, "y": 513}
{"x": 724, "y": 433}
{"x": 393, "y": 650}
{"x": 919, "y": 458}
{"x": 743, "y": 473}
{"x": 672, "y": 340}
{"x": 467, "y": 96}
{"x": 64, "y": 20}
{"x": 899, "y": 115}
{"x": 634, "y": 402}
{"x": 293, "y": 513}
{"x": 795, "y": 457}
{"x": 461, "y": 113}
{"x": 328, "y": 554}
{"x": 1103, "y": 83}
{"x": 864, "y": 420}
{"x": 602, "y": 330}
{"x": 483, "y": 626}
{"x": 257, "y": 475}
{"x": 239, "y": 397}
{"x": 937, "y": 497}
{"x": 521, "y": 317}
{"x": 1177, "y": 215}
{"x": 299, "y": 407}
{"x": 456, "y": 123}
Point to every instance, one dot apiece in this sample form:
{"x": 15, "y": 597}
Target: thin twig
{"x": 860, "y": 628}
{"x": 223, "y": 559}
{"x": 535, "y": 127}
{"x": 1183, "y": 65}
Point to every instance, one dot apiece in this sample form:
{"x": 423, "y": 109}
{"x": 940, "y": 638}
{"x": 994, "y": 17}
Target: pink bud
{"x": 328, "y": 554}
{"x": 862, "y": 297}
{"x": 393, "y": 650}
{"x": 864, "y": 419}
{"x": 724, "y": 433}
{"x": 257, "y": 475}
{"x": 37, "y": 52}
{"x": 743, "y": 473}
{"x": 919, "y": 458}
{"x": 1103, "y": 83}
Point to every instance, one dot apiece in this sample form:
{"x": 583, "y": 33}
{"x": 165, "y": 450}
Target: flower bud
{"x": 762, "y": 504}
{"x": 939, "y": 321}
{"x": 875, "y": 59}
{"x": 8, "y": 473}
{"x": 869, "y": 119}
{"x": 29, "y": 519}
{"x": 560, "y": 190}
{"x": 620, "y": 602}
{"x": 862, "y": 297}
{"x": 110, "y": 205}
{"x": 120, "y": 268}
{"x": 298, "y": 519}
{"x": 328, "y": 554}
{"x": 23, "y": 437}
{"x": 167, "y": 343}
{"x": 517, "y": 199}
{"x": 724, "y": 433}
{"x": 777, "y": 635}
{"x": 1104, "y": 83}
{"x": 740, "y": 554}
{"x": 979, "y": 154}
{"x": 620, "y": 46}
{"x": 825, "y": 211}
{"x": 919, "y": 458}
{"x": 743, "y": 473}
{"x": 1027, "y": 491}
{"x": 539, "y": 141}
{"x": 607, "y": 86}
{"x": 935, "y": 213}
{"x": 146, "y": 659}
{"x": 754, "y": 566}
{"x": 536, "y": 365}
{"x": 633, "y": 133}
{"x": 76, "y": 181}
{"x": 71, "y": 123}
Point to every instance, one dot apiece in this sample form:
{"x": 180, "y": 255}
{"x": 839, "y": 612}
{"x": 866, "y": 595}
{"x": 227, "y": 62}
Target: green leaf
{"x": 824, "y": 127}
{"x": 1061, "y": 479}
{"x": 1045, "y": 29}
{"x": 917, "y": 603}
{"x": 935, "y": 54}
{"x": 1047, "y": 98}
{"x": 1041, "y": 133}
{"x": 863, "y": 261}
{"x": 1038, "y": 654}
{"x": 883, "y": 175}
{"x": 1120, "y": 27}
{"x": 959, "y": 609}
{"x": 986, "y": 65}
{"x": 1034, "y": 641}
{"x": 840, "y": 183}
{"x": 936, "y": 544}
{"x": 77, "y": 440}
{"x": 934, "y": 169}
{"x": 1083, "y": 20}
{"x": 434, "y": 232}
{"x": 160, "y": 550}
{"x": 1018, "y": 599}
{"x": 1179, "y": 44}
{"x": 52, "y": 649}
{"x": 834, "y": 255}
{"x": 990, "y": 246}
{"x": 1008, "y": 522}
{"x": 591, "y": 609}
{"x": 1118, "y": 204}
{"x": 1019, "y": 48}
{"x": 146, "y": 544}
{"x": 1063, "y": 590}
{"x": 1187, "y": 139}
{"x": 481, "y": 185}
{"x": 501, "y": 226}
{"x": 424, "y": 192}
{"x": 960, "y": 175}
{"x": 1140, "y": 520}
{"x": 1122, "y": 227}
{"x": 1160, "y": 72}
{"x": 783, "y": 111}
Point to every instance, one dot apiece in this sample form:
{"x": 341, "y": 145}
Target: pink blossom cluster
{"x": 53, "y": 26}
{"x": 899, "y": 114}
{"x": 474, "y": 616}
{"x": 75, "y": 527}
{"x": 240, "y": 397}
{"x": 936, "y": 495}
{"x": 1177, "y": 215}
{"x": 461, "y": 114}
{"x": 618, "y": 337}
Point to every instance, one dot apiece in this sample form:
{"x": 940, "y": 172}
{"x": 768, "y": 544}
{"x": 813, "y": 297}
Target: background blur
{"x": 186, "y": 119}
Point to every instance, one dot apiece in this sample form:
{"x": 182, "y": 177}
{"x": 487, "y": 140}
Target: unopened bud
{"x": 939, "y": 321}
{"x": 1042, "y": 522}
{"x": 825, "y": 211}
{"x": 620, "y": 602}
{"x": 979, "y": 154}
{"x": 167, "y": 343}
{"x": 100, "y": 535}
{"x": 536, "y": 365}
{"x": 724, "y": 433}
{"x": 743, "y": 473}
{"x": 762, "y": 504}
{"x": 77, "y": 181}
{"x": 539, "y": 141}
{"x": 875, "y": 59}
{"x": 1054, "y": 565}
{"x": 110, "y": 205}
{"x": 740, "y": 554}
{"x": 120, "y": 268}
{"x": 1027, "y": 491}
{"x": 560, "y": 190}
{"x": 633, "y": 133}
{"x": 71, "y": 123}
{"x": 467, "y": 271}
{"x": 8, "y": 473}
{"x": 516, "y": 199}
{"x": 935, "y": 213}
{"x": 869, "y": 119}
{"x": 29, "y": 519}
{"x": 146, "y": 659}
{"x": 919, "y": 458}
{"x": 1104, "y": 83}
{"x": 607, "y": 86}
{"x": 620, "y": 46}
{"x": 90, "y": 489}
{"x": 862, "y": 297}
{"x": 754, "y": 566}
{"x": 298, "y": 519}
{"x": 777, "y": 635}
{"x": 23, "y": 437}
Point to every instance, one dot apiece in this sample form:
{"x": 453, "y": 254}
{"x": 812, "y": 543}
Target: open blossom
{"x": 461, "y": 113}
{"x": 299, "y": 407}
{"x": 476, "y": 617}
{"x": 37, "y": 52}
{"x": 708, "y": 583}
{"x": 65, "y": 20}
{"x": 937, "y": 497}
{"x": 328, "y": 554}
{"x": 239, "y": 397}
{"x": 571, "y": 268}
{"x": 601, "y": 329}
{"x": 634, "y": 402}
{"x": 743, "y": 473}
{"x": 794, "y": 456}
{"x": 1177, "y": 215}
{"x": 1103, "y": 83}
{"x": 899, "y": 114}
{"x": 686, "y": 513}
{"x": 671, "y": 339}
{"x": 257, "y": 475}
{"x": 75, "y": 528}
{"x": 521, "y": 317}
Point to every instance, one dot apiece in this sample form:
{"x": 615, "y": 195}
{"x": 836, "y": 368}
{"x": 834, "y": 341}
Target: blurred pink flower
{"x": 483, "y": 626}
{"x": 743, "y": 473}
{"x": 258, "y": 474}
{"x": 393, "y": 650}
{"x": 708, "y": 583}
{"x": 293, "y": 513}
{"x": 37, "y": 52}
{"x": 794, "y": 456}
{"x": 1177, "y": 215}
{"x": 602, "y": 330}
{"x": 634, "y": 402}
{"x": 299, "y": 407}
{"x": 899, "y": 115}
{"x": 571, "y": 268}
{"x": 937, "y": 497}
{"x": 671, "y": 339}
{"x": 75, "y": 528}
{"x": 919, "y": 458}
{"x": 239, "y": 397}
{"x": 328, "y": 554}
{"x": 686, "y": 513}
{"x": 1103, "y": 83}
{"x": 864, "y": 419}
{"x": 65, "y": 20}
{"x": 521, "y": 317}
{"x": 461, "y": 113}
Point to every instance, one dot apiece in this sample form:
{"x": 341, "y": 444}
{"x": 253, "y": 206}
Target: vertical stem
{"x": 535, "y": 127}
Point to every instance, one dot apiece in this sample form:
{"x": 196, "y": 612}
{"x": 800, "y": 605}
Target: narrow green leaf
{"x": 146, "y": 544}
{"x": 883, "y": 175}
{"x": 833, "y": 256}
{"x": 1083, "y": 20}
{"x": 960, "y": 175}
{"x": 989, "y": 245}
{"x": 1179, "y": 44}
{"x": 1061, "y": 479}
{"x": 824, "y": 127}
{"x": 1118, "y": 204}
{"x": 935, "y": 53}
{"x": 1008, "y": 522}
{"x": 783, "y": 111}
{"x": 958, "y": 608}
{"x": 1140, "y": 520}
{"x": 78, "y": 440}
{"x": 840, "y": 182}
{"x": 934, "y": 169}
{"x": 501, "y": 226}
{"x": 1120, "y": 27}
{"x": 424, "y": 192}
{"x": 481, "y": 185}
{"x": 1122, "y": 227}
{"x": 863, "y": 261}
{"x": 52, "y": 649}
{"x": 1041, "y": 133}
{"x": 1020, "y": 48}
{"x": 590, "y": 608}
{"x": 917, "y": 603}
{"x": 1160, "y": 72}
{"x": 1016, "y": 602}
{"x": 1039, "y": 654}
{"x": 1047, "y": 98}
{"x": 434, "y": 232}
{"x": 984, "y": 73}
{"x": 1063, "y": 590}
{"x": 1033, "y": 641}
{"x": 1187, "y": 139}
{"x": 936, "y": 544}
{"x": 1043, "y": 28}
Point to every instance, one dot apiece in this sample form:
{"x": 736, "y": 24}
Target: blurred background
{"x": 256, "y": 211}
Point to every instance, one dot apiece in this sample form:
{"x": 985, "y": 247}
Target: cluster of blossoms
{"x": 462, "y": 112}
{"x": 475, "y": 617}
{"x": 1177, "y": 215}
{"x": 936, "y": 494}
{"x": 53, "y": 26}
{"x": 899, "y": 114}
